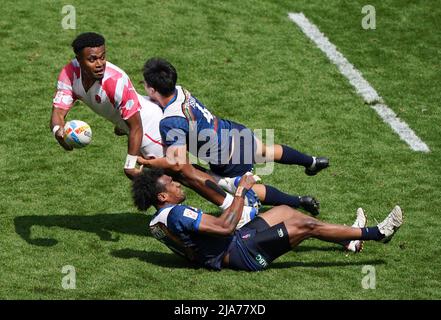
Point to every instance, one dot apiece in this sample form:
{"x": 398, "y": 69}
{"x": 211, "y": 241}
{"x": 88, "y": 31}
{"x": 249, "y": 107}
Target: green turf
{"x": 246, "y": 61}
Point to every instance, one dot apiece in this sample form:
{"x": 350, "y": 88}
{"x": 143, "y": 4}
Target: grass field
{"x": 246, "y": 61}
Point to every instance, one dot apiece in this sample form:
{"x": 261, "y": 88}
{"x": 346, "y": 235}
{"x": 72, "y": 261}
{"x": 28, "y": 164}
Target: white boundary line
{"x": 363, "y": 88}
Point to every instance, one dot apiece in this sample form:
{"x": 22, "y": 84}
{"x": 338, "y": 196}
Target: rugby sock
{"x": 276, "y": 197}
{"x": 227, "y": 202}
{"x": 371, "y": 233}
{"x": 292, "y": 156}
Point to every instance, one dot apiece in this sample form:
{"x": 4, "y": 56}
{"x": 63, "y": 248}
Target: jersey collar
{"x": 167, "y": 206}
{"x": 172, "y": 100}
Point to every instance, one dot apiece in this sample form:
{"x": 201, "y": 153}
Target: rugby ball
{"x": 77, "y": 133}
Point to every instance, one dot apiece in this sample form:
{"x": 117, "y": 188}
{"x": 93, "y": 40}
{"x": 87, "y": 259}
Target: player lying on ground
{"x": 108, "y": 91}
{"x": 230, "y": 148}
{"x": 214, "y": 243}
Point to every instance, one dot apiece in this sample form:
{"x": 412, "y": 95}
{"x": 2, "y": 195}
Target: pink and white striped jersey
{"x": 113, "y": 97}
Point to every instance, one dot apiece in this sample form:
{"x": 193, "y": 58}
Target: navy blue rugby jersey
{"x": 187, "y": 121}
{"x": 177, "y": 226}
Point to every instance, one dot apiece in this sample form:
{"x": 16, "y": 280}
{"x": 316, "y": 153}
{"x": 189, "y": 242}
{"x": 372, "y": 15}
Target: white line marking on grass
{"x": 362, "y": 87}
{"x": 400, "y": 127}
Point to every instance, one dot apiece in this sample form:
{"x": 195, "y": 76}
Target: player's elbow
{"x": 227, "y": 228}
{"x": 130, "y": 173}
{"x": 176, "y": 167}
{"x": 227, "y": 231}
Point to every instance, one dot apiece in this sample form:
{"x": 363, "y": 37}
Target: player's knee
{"x": 310, "y": 225}
{"x": 303, "y": 225}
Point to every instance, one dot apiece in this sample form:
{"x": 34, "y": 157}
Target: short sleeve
{"x": 129, "y": 103}
{"x": 184, "y": 219}
{"x": 122, "y": 95}
{"x": 64, "y": 97}
{"x": 174, "y": 131}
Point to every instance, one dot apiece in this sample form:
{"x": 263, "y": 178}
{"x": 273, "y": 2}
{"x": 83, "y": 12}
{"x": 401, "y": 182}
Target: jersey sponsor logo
{"x": 261, "y": 260}
{"x": 190, "y": 214}
{"x": 280, "y": 232}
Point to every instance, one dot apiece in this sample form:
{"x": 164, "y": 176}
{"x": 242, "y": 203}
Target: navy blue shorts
{"x": 242, "y": 157}
{"x": 256, "y": 245}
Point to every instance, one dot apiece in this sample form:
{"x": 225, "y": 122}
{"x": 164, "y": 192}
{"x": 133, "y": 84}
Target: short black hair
{"x": 87, "y": 39}
{"x": 145, "y": 188}
{"x": 160, "y": 75}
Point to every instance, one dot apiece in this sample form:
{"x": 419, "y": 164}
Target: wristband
{"x": 55, "y": 129}
{"x": 241, "y": 192}
{"x": 130, "y": 162}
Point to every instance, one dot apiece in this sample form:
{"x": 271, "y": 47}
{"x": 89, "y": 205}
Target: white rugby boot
{"x": 391, "y": 224}
{"x": 360, "y": 222}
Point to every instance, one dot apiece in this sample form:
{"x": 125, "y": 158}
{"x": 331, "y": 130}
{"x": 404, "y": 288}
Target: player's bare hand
{"x": 248, "y": 180}
{"x": 143, "y": 161}
{"x": 59, "y": 135}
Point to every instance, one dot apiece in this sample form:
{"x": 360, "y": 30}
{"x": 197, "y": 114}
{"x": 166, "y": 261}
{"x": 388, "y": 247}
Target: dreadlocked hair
{"x": 145, "y": 188}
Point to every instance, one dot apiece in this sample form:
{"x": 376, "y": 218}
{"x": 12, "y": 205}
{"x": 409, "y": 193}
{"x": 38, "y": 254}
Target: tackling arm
{"x": 187, "y": 174}
{"x": 226, "y": 223}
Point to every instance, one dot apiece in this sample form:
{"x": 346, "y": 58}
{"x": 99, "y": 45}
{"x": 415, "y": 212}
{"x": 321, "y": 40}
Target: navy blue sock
{"x": 371, "y": 233}
{"x": 292, "y": 156}
{"x": 276, "y": 197}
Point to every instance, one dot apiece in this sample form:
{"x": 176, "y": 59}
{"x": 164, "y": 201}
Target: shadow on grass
{"x": 166, "y": 260}
{"x": 171, "y": 260}
{"x": 324, "y": 264}
{"x": 302, "y": 248}
{"x": 100, "y": 224}
{"x": 137, "y": 224}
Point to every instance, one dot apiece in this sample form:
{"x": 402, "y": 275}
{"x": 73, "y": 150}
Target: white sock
{"x": 313, "y": 163}
{"x": 227, "y": 184}
{"x": 227, "y": 202}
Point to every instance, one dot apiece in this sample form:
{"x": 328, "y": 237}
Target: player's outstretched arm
{"x": 188, "y": 175}
{"x": 175, "y": 159}
{"x": 155, "y": 163}
{"x": 134, "y": 144}
{"x": 226, "y": 223}
{"x": 57, "y": 126}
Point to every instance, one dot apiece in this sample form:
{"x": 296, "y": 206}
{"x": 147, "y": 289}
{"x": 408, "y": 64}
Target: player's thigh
{"x": 243, "y": 143}
{"x": 301, "y": 227}
{"x": 231, "y": 170}
{"x": 266, "y": 153}
{"x": 260, "y": 146}
{"x": 280, "y": 214}
{"x": 273, "y": 242}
